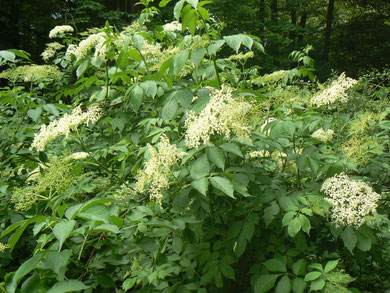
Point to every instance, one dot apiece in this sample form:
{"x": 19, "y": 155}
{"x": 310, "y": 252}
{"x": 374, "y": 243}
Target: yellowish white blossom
{"x": 323, "y": 135}
{"x": 3, "y": 247}
{"x": 153, "y": 178}
{"x": 351, "y": 200}
{"x": 50, "y": 51}
{"x": 271, "y": 78}
{"x": 93, "y": 42}
{"x": 335, "y": 92}
{"x": 28, "y": 73}
{"x": 268, "y": 121}
{"x": 78, "y": 156}
{"x": 242, "y": 57}
{"x": 223, "y": 115}
{"x": 71, "y": 50}
{"x": 64, "y": 125}
{"x": 258, "y": 154}
{"x": 60, "y": 30}
{"x": 172, "y": 26}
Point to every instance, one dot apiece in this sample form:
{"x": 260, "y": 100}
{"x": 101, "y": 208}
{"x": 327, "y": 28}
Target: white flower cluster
{"x": 151, "y": 50}
{"x": 93, "y": 42}
{"x": 60, "y": 30}
{"x": 64, "y": 125}
{"x": 51, "y": 49}
{"x": 336, "y": 91}
{"x": 222, "y": 115}
{"x": 351, "y": 200}
{"x": 3, "y": 247}
{"x": 31, "y": 73}
{"x": 268, "y": 121}
{"x": 153, "y": 178}
{"x": 323, "y": 135}
{"x": 172, "y": 26}
{"x": 78, "y": 156}
{"x": 258, "y": 154}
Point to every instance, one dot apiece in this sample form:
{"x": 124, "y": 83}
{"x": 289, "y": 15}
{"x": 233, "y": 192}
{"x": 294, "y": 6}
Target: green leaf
{"x": 217, "y": 156}
{"x": 148, "y": 244}
{"x": 299, "y": 267}
{"x": 284, "y": 285}
{"x": 164, "y": 3}
{"x": 200, "y": 168}
{"x": 298, "y": 285}
{"x": 81, "y": 68}
{"x": 275, "y": 265}
{"x": 98, "y": 212}
{"x": 317, "y": 285}
{"x": 123, "y": 60}
{"x": 169, "y": 110}
{"x": 287, "y": 218}
{"x": 305, "y": 223}
{"x": 9, "y": 56}
{"x": 136, "y": 97}
{"x": 294, "y": 227}
{"x": 227, "y": 271}
{"x": 197, "y": 56}
{"x": 67, "y": 286}
{"x": 265, "y": 283}
{"x": 32, "y": 284}
{"x": 235, "y": 41}
{"x": 183, "y": 97}
{"x": 194, "y": 3}
{"x": 189, "y": 21}
{"x": 223, "y": 184}
{"x": 349, "y": 237}
{"x": 109, "y": 228}
{"x": 129, "y": 283}
{"x": 23, "y": 270}
{"x": 150, "y": 88}
{"x": 201, "y": 185}
{"x": 56, "y": 261}
{"x": 214, "y": 47}
{"x": 178, "y": 62}
{"x": 232, "y": 148}
{"x": 364, "y": 243}
{"x": 330, "y": 265}
{"x": 34, "y": 114}
{"x": 177, "y": 9}
{"x": 312, "y": 276}
{"x": 62, "y": 230}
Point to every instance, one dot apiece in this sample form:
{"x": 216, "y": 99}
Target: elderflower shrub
{"x": 351, "y": 200}
{"x": 153, "y": 178}
{"x": 335, "y": 92}
{"x": 323, "y": 135}
{"x": 94, "y": 42}
{"x": 78, "y": 156}
{"x": 64, "y": 126}
{"x": 50, "y": 51}
{"x": 31, "y": 73}
{"x": 223, "y": 115}
{"x": 60, "y": 30}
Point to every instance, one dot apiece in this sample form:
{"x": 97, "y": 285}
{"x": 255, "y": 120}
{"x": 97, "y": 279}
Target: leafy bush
{"x": 141, "y": 161}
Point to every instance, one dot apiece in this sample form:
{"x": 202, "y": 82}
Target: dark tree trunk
{"x": 292, "y": 32}
{"x": 261, "y": 15}
{"x": 328, "y": 28}
{"x": 302, "y": 24}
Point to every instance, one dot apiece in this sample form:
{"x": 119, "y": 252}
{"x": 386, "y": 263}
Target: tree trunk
{"x": 293, "y": 13}
{"x": 328, "y": 28}
{"x": 302, "y": 24}
{"x": 261, "y": 15}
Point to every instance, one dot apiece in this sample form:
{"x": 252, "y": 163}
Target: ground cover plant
{"x": 144, "y": 160}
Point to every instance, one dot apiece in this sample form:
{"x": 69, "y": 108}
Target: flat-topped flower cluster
{"x": 223, "y": 115}
{"x": 351, "y": 200}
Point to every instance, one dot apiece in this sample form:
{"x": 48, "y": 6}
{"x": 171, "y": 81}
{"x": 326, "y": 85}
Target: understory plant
{"x": 144, "y": 160}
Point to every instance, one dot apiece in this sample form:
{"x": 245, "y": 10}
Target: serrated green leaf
{"x": 23, "y": 270}
{"x": 178, "y": 8}
{"x": 67, "y": 286}
{"x": 317, "y": 285}
{"x": 169, "y": 110}
{"x": 284, "y": 285}
{"x": 275, "y": 265}
{"x": 305, "y": 223}
{"x": 217, "y": 156}
{"x": 232, "y": 148}
{"x": 294, "y": 227}
{"x": 223, "y": 184}
{"x": 200, "y": 168}
{"x": 235, "y": 41}
{"x": 364, "y": 243}
{"x": 9, "y": 56}
{"x": 62, "y": 231}
{"x": 264, "y": 283}
{"x": 178, "y": 62}
{"x": 349, "y": 237}
{"x": 312, "y": 276}
{"x": 227, "y": 271}
{"x": 136, "y": 97}
{"x": 298, "y": 285}
{"x": 34, "y": 114}
{"x": 81, "y": 68}
{"x": 299, "y": 267}
{"x": 330, "y": 265}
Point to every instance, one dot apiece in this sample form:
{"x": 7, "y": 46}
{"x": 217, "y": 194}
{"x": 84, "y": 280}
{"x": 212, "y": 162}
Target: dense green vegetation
{"x": 195, "y": 156}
